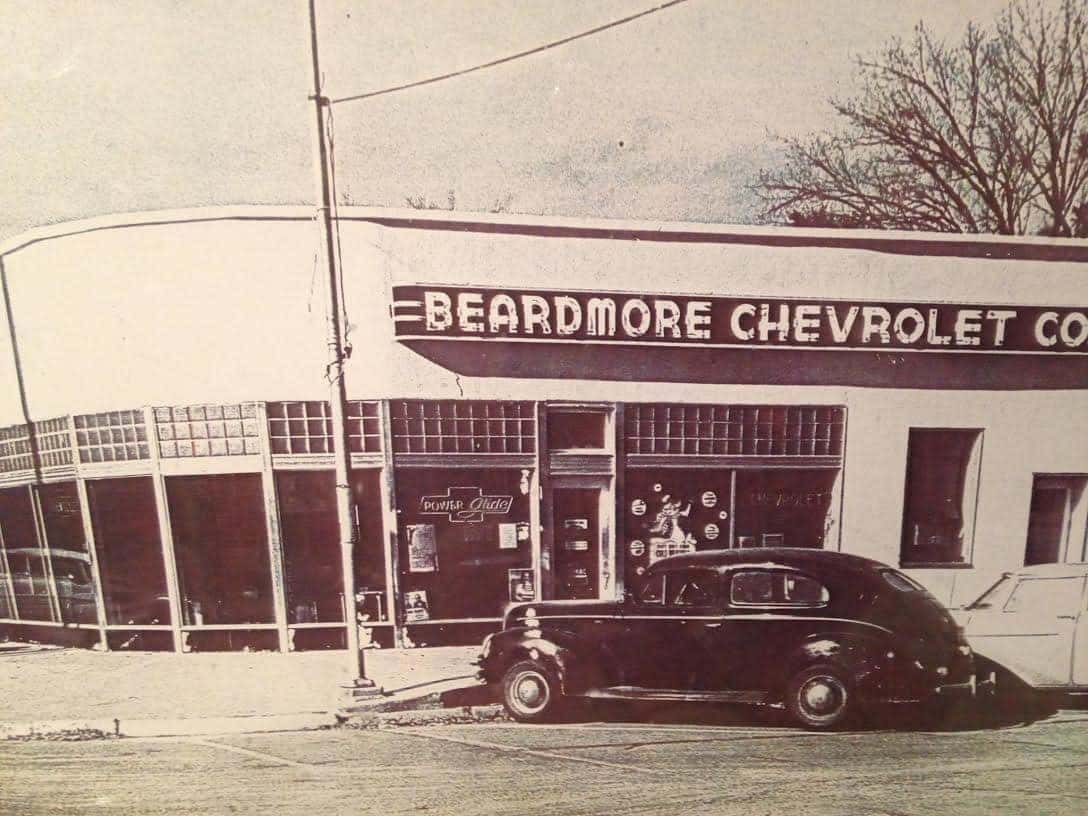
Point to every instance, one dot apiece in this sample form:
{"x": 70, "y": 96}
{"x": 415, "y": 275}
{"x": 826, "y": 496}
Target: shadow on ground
{"x": 970, "y": 715}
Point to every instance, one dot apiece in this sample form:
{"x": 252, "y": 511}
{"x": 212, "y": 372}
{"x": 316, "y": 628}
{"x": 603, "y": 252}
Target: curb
{"x": 463, "y": 715}
{"x": 100, "y": 728}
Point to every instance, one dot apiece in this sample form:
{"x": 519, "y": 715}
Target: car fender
{"x": 567, "y": 654}
{"x": 860, "y": 655}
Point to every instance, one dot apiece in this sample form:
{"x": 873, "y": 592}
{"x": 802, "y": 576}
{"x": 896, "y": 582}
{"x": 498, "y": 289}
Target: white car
{"x": 1033, "y": 624}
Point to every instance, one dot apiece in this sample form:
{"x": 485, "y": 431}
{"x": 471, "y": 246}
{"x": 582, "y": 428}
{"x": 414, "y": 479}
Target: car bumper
{"x": 968, "y": 688}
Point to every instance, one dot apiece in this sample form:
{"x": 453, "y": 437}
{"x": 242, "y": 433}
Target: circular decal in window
{"x": 709, "y": 498}
{"x": 711, "y": 531}
{"x": 637, "y": 548}
{"x": 638, "y": 507}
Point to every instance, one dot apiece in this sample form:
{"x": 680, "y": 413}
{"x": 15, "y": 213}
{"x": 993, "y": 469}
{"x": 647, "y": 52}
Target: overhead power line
{"x": 511, "y": 57}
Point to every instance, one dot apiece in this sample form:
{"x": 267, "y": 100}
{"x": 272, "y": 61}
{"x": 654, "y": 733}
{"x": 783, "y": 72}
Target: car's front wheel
{"x": 820, "y": 697}
{"x": 530, "y": 692}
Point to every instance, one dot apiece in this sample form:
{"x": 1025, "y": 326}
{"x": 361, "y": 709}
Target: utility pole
{"x": 345, "y": 510}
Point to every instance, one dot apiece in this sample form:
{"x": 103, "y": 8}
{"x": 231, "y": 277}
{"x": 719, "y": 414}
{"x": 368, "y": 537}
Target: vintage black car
{"x": 824, "y": 634}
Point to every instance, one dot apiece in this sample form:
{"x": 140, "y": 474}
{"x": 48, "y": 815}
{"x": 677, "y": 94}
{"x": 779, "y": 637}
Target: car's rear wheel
{"x": 820, "y": 697}
{"x": 530, "y": 692}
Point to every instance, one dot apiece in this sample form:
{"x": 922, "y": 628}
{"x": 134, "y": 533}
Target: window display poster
{"x": 522, "y": 585}
{"x": 508, "y": 536}
{"x": 416, "y": 607}
{"x": 422, "y": 548}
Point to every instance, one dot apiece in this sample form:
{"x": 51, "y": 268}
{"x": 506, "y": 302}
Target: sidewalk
{"x": 72, "y": 690}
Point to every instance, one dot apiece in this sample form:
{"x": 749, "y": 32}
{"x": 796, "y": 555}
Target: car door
{"x": 770, "y": 612}
{"x": 1032, "y": 633}
{"x": 666, "y": 632}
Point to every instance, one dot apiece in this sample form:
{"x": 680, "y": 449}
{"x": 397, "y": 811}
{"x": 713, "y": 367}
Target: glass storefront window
{"x": 464, "y": 541}
{"x": 311, "y": 546}
{"x": 25, "y": 561}
{"x": 941, "y": 493}
{"x": 129, "y": 551}
{"x": 669, "y": 511}
{"x": 784, "y": 508}
{"x": 68, "y": 554}
{"x": 7, "y": 598}
{"x": 369, "y": 561}
{"x": 221, "y": 547}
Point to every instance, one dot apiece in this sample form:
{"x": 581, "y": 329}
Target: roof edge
{"x": 993, "y": 247}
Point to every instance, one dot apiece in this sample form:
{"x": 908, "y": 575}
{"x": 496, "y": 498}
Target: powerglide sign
{"x": 481, "y": 313}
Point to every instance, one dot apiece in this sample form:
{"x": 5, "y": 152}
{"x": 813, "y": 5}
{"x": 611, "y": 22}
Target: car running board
{"x": 676, "y": 695}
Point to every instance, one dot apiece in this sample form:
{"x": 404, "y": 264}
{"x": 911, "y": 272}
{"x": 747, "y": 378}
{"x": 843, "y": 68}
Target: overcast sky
{"x": 147, "y": 104}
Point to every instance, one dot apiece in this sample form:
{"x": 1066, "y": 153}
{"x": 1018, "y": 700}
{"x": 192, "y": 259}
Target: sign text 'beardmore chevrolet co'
{"x": 483, "y": 313}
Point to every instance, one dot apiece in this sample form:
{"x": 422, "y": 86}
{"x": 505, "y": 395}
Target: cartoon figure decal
{"x": 667, "y": 534}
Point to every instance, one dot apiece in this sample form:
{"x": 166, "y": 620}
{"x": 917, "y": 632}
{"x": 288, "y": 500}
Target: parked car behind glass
{"x": 825, "y": 634}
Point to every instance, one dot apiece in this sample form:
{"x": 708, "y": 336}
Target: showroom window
{"x": 311, "y": 546}
{"x": 943, "y": 467}
{"x": 221, "y": 547}
{"x": 129, "y": 551}
{"x": 465, "y": 549}
{"x": 7, "y": 598}
{"x": 25, "y": 560}
{"x": 71, "y": 562}
{"x": 784, "y": 508}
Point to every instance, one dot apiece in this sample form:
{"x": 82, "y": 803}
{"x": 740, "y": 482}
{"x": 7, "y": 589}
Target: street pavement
{"x": 740, "y": 764}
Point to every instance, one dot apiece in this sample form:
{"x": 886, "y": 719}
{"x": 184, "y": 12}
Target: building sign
{"x": 429, "y": 312}
{"x": 465, "y": 505}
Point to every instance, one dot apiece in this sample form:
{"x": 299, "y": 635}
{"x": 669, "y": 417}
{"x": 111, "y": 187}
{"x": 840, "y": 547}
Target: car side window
{"x": 1058, "y": 596}
{"x": 752, "y": 587}
{"x": 759, "y": 587}
{"x": 691, "y": 587}
{"x": 803, "y": 591}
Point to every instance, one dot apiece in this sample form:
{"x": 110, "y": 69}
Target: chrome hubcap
{"x": 821, "y": 695}
{"x": 530, "y": 692}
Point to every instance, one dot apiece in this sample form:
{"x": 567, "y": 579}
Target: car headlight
{"x": 485, "y": 647}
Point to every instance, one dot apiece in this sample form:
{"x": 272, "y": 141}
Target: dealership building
{"x": 537, "y": 408}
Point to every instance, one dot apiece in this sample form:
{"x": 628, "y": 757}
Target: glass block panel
{"x": 745, "y": 430}
{"x": 214, "y": 430}
{"x": 462, "y": 426}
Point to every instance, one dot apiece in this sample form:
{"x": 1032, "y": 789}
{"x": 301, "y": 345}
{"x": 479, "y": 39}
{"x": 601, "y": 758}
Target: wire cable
{"x": 510, "y": 58}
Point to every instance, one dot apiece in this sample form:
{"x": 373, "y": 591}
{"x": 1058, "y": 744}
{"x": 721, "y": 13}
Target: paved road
{"x": 586, "y": 768}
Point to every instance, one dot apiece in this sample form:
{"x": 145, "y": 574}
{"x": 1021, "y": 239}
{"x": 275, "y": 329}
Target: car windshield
{"x": 995, "y": 594}
{"x": 904, "y": 583}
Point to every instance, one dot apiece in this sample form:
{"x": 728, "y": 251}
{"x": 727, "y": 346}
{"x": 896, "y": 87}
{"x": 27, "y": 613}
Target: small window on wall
{"x": 576, "y": 430}
{"x": 941, "y": 495}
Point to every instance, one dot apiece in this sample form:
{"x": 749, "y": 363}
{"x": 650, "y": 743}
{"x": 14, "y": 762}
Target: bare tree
{"x": 989, "y": 134}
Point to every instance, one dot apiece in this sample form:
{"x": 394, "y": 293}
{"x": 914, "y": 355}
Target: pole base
{"x": 363, "y": 688}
